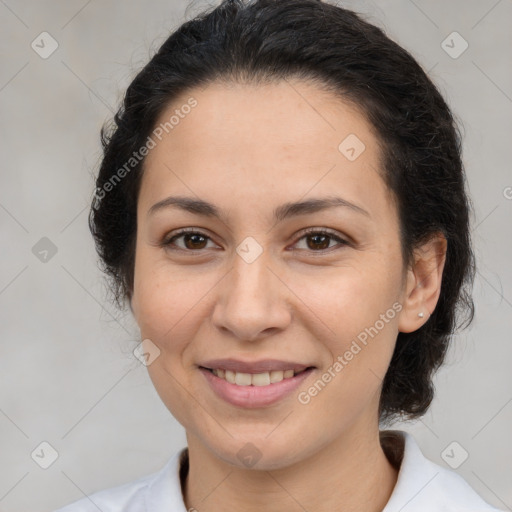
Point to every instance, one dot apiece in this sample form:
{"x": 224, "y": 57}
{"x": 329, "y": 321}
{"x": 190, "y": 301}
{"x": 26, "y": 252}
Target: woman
{"x": 282, "y": 205}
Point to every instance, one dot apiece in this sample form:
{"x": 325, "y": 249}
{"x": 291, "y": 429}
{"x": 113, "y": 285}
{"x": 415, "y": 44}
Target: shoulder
{"x": 160, "y": 490}
{"x": 125, "y": 498}
{"x": 423, "y": 486}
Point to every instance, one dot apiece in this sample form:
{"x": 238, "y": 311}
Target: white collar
{"x": 422, "y": 486}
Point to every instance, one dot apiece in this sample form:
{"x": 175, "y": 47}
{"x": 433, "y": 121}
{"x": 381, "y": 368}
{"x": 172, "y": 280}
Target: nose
{"x": 252, "y": 301}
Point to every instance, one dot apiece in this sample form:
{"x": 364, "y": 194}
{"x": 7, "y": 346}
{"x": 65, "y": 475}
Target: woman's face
{"x": 252, "y": 291}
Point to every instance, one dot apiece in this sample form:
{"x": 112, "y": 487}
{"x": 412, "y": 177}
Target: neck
{"x": 351, "y": 474}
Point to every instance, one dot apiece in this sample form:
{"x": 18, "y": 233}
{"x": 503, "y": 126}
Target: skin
{"x": 249, "y": 149}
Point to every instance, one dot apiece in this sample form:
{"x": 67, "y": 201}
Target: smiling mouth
{"x": 255, "y": 379}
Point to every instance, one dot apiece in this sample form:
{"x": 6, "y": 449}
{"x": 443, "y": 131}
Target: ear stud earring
{"x": 421, "y": 315}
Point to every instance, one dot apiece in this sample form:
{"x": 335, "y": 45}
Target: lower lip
{"x": 254, "y": 396}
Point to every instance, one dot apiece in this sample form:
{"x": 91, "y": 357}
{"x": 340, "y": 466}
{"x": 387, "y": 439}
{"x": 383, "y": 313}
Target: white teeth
{"x": 255, "y": 379}
{"x": 276, "y": 376}
{"x": 243, "y": 379}
{"x": 260, "y": 379}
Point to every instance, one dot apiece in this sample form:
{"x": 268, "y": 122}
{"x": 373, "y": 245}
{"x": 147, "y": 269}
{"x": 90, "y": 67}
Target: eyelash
{"x": 168, "y": 243}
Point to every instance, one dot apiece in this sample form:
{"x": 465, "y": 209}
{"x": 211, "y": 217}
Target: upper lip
{"x": 261, "y": 366}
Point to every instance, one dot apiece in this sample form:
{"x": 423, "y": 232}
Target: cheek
{"x": 360, "y": 309}
{"x": 349, "y": 299}
{"x": 162, "y": 306}
{"x": 162, "y": 315}
{"x": 160, "y": 297}
{"x": 170, "y": 305}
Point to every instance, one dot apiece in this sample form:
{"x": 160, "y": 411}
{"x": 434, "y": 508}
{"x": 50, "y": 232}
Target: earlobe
{"x": 423, "y": 284}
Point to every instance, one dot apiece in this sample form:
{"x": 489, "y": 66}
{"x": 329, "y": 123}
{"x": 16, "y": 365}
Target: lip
{"x": 263, "y": 365}
{"x": 252, "y": 397}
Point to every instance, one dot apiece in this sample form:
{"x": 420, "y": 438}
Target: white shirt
{"x": 422, "y": 486}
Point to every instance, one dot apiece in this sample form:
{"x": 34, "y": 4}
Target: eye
{"x": 318, "y": 240}
{"x": 192, "y": 239}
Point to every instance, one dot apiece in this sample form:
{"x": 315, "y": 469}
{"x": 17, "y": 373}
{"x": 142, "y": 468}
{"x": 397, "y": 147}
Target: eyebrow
{"x": 286, "y": 210}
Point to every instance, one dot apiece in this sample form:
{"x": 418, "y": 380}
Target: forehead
{"x": 263, "y": 143}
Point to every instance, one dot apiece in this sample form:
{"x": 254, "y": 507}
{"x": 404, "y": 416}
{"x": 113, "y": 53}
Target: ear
{"x": 423, "y": 283}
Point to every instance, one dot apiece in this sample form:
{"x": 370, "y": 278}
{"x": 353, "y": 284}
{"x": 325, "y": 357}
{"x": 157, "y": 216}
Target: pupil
{"x": 189, "y": 238}
{"x": 325, "y": 243}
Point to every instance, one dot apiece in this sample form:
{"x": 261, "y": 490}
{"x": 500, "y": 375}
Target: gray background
{"x": 68, "y": 375}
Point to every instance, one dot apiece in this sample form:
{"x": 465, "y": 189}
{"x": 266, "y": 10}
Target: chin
{"x": 257, "y": 452}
